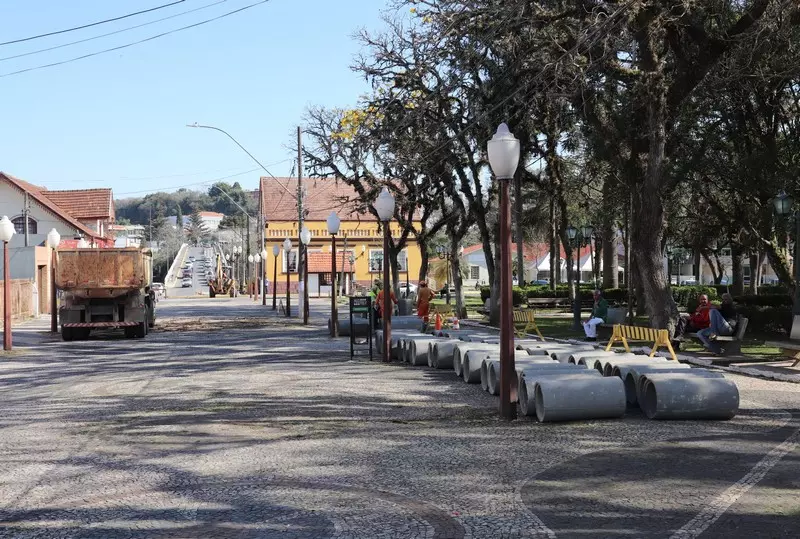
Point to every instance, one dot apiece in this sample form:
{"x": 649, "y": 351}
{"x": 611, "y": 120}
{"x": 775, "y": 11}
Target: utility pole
{"x": 26, "y": 218}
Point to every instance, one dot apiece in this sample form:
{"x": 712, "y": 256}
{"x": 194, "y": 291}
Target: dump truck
{"x": 105, "y": 289}
{"x": 221, "y": 284}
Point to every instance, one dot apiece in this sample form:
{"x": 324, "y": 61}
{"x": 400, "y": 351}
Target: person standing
{"x": 598, "y": 316}
{"x": 424, "y": 297}
{"x": 379, "y": 302}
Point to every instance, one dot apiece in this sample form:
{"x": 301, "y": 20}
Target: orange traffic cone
{"x": 438, "y": 326}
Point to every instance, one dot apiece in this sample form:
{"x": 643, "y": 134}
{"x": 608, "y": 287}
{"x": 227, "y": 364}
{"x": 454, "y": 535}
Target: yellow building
{"x": 359, "y": 244}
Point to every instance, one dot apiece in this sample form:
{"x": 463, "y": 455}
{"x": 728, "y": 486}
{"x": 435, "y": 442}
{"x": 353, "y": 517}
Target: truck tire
{"x": 141, "y": 330}
{"x": 130, "y": 332}
{"x": 211, "y": 293}
{"x": 66, "y": 334}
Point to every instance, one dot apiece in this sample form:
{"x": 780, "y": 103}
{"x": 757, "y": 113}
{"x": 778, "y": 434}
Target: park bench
{"x": 524, "y": 322}
{"x": 558, "y": 302}
{"x": 731, "y": 344}
{"x": 788, "y": 349}
{"x": 659, "y": 338}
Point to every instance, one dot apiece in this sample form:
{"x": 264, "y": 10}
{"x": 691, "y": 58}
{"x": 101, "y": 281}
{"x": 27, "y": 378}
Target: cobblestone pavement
{"x": 218, "y": 425}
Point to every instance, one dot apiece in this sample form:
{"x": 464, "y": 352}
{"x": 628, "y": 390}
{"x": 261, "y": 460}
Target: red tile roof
{"x": 530, "y": 251}
{"x": 84, "y": 203}
{"x": 321, "y": 263}
{"x": 211, "y": 214}
{"x": 38, "y": 194}
{"x": 278, "y": 197}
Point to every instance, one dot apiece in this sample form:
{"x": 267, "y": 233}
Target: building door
{"x": 313, "y": 284}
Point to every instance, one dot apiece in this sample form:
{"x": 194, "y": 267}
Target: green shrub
{"x": 761, "y": 319}
{"x": 486, "y": 293}
{"x": 616, "y": 295}
{"x": 540, "y": 292}
{"x": 518, "y": 296}
{"x": 772, "y": 289}
{"x": 766, "y": 300}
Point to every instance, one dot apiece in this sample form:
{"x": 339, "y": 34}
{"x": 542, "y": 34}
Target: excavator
{"x": 221, "y": 284}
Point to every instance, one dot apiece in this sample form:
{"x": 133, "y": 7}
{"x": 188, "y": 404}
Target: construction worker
{"x": 424, "y": 297}
{"x": 379, "y": 302}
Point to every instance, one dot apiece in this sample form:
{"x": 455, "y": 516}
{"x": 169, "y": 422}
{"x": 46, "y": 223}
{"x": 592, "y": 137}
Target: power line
{"x": 189, "y": 184}
{"x": 151, "y": 38}
{"x": 31, "y": 38}
{"x": 129, "y": 28}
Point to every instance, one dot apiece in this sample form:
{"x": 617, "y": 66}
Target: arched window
{"x": 19, "y": 225}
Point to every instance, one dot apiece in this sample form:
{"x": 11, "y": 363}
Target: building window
{"x": 475, "y": 272}
{"x": 19, "y": 225}
{"x": 376, "y": 260}
{"x": 725, "y": 251}
{"x": 292, "y": 261}
{"x": 325, "y": 279}
{"x": 402, "y": 260}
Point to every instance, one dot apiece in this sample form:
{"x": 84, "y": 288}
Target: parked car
{"x": 541, "y": 282}
{"x": 407, "y": 291}
{"x": 186, "y": 283}
{"x": 158, "y": 288}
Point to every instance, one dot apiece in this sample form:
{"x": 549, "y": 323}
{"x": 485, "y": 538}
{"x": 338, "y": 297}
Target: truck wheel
{"x": 66, "y": 334}
{"x": 83, "y": 334}
{"x": 130, "y": 332}
{"x": 211, "y": 293}
{"x": 141, "y": 330}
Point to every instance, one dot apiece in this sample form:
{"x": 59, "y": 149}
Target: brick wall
{"x": 21, "y": 298}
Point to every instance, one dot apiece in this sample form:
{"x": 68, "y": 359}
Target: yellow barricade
{"x": 524, "y": 322}
{"x": 659, "y": 337}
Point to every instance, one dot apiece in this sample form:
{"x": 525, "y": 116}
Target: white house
{"x": 211, "y": 219}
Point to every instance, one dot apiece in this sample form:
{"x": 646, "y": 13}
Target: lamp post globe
{"x": 587, "y": 231}
{"x": 783, "y": 203}
{"x": 305, "y": 236}
{"x": 250, "y": 258}
{"x": 504, "y": 152}
{"x": 384, "y": 205}
{"x": 6, "y": 229}
{"x": 276, "y": 250}
{"x": 263, "y": 255}
{"x": 256, "y": 258}
{"x": 287, "y": 245}
{"x": 53, "y": 238}
{"x": 333, "y": 223}
{"x": 572, "y": 232}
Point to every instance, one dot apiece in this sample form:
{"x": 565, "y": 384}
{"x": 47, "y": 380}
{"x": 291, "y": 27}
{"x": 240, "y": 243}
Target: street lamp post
{"x": 577, "y": 239}
{"x": 287, "y": 248}
{"x": 275, "y": 252}
{"x": 333, "y": 228}
{"x": 384, "y": 207}
{"x": 53, "y": 239}
{"x": 264, "y": 276}
{"x": 783, "y": 206}
{"x": 305, "y": 237}
{"x": 6, "y": 232}
{"x": 256, "y": 262}
{"x": 504, "y": 152}
{"x": 444, "y": 254}
{"x": 251, "y": 260}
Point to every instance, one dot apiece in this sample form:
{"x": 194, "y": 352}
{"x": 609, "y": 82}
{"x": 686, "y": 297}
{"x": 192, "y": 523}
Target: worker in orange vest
{"x": 379, "y": 302}
{"x": 424, "y": 297}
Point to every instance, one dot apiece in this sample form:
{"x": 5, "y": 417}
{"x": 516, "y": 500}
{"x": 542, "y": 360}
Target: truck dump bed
{"x": 103, "y": 272}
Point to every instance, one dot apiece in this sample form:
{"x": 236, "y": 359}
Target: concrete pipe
{"x": 523, "y": 365}
{"x": 522, "y": 344}
{"x": 417, "y": 353}
{"x": 407, "y": 322}
{"x": 680, "y": 396}
{"x": 464, "y": 347}
{"x": 591, "y": 360}
{"x": 634, "y": 372}
{"x": 406, "y": 345}
{"x": 590, "y": 397}
{"x": 527, "y": 387}
{"x": 575, "y": 357}
{"x": 471, "y": 365}
{"x": 600, "y": 363}
{"x": 562, "y": 355}
{"x": 442, "y": 353}
{"x": 361, "y": 325}
{"x": 532, "y": 369}
{"x": 610, "y": 363}
{"x": 641, "y": 381}
{"x": 398, "y": 344}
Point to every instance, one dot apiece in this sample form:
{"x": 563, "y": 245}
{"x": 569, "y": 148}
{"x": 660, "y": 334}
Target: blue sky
{"x": 118, "y": 120}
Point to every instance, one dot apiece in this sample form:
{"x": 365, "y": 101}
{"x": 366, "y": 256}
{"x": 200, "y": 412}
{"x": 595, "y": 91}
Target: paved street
{"x": 229, "y": 421}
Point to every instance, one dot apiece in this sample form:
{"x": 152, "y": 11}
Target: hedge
{"x": 767, "y": 300}
{"x": 763, "y": 319}
{"x": 686, "y": 296}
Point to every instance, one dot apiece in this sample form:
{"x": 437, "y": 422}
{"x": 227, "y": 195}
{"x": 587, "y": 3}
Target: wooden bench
{"x": 788, "y": 349}
{"x": 731, "y": 344}
{"x": 558, "y": 302}
{"x": 524, "y": 322}
{"x": 659, "y": 338}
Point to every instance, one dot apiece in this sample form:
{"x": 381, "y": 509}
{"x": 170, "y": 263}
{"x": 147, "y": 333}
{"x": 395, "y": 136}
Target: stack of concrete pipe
{"x": 441, "y": 353}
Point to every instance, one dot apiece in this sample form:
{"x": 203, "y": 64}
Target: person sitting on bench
{"x": 722, "y": 322}
{"x": 690, "y": 323}
{"x": 598, "y": 316}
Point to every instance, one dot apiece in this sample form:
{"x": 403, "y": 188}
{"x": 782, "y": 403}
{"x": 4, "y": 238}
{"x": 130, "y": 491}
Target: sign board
{"x": 360, "y": 309}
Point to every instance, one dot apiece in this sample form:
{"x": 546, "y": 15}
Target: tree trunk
{"x": 555, "y": 258}
{"x": 780, "y": 263}
{"x": 518, "y": 229}
{"x": 395, "y": 270}
{"x": 737, "y": 270}
{"x": 696, "y": 266}
{"x": 756, "y": 261}
{"x": 455, "y": 266}
{"x": 425, "y": 262}
{"x": 609, "y": 254}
